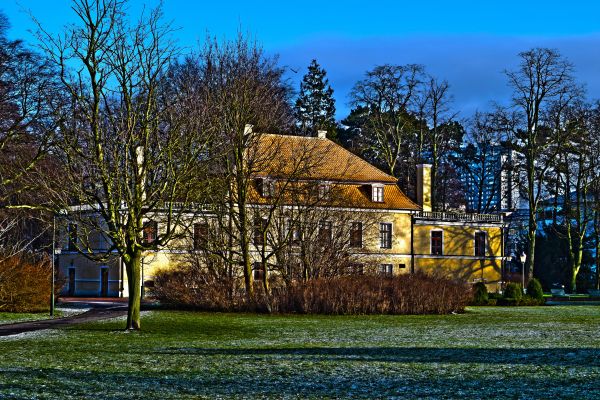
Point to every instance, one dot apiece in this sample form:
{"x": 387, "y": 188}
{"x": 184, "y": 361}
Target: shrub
{"x": 25, "y": 284}
{"x": 405, "y": 294}
{"x": 513, "y": 291}
{"x": 528, "y": 300}
{"x": 480, "y": 294}
{"x": 534, "y": 290}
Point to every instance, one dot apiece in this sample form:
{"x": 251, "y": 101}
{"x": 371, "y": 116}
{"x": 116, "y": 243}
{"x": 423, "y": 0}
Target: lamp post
{"x": 55, "y": 251}
{"x": 523, "y": 258}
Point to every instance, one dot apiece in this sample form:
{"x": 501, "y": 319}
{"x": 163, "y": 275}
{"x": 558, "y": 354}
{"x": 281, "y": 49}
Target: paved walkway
{"x": 100, "y": 309}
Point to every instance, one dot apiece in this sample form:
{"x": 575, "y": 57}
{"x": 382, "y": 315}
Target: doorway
{"x": 103, "y": 282}
{"x": 71, "y": 292}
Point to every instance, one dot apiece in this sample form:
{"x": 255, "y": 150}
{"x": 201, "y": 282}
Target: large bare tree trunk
{"x": 133, "y": 267}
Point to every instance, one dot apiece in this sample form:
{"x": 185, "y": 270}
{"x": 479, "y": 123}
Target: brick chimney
{"x": 424, "y": 186}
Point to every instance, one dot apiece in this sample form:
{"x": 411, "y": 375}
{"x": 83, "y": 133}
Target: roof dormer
{"x": 377, "y": 192}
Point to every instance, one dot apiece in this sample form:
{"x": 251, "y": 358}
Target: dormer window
{"x": 377, "y": 193}
{"x": 267, "y": 187}
{"x": 324, "y": 191}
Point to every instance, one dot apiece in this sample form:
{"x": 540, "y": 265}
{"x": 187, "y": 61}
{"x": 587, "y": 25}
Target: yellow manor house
{"x": 360, "y": 210}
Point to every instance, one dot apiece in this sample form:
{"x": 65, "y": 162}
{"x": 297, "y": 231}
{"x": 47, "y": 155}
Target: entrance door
{"x": 71, "y": 281}
{"x": 104, "y": 282}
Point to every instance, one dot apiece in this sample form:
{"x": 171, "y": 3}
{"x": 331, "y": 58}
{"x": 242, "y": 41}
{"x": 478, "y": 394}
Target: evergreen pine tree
{"x": 315, "y": 106}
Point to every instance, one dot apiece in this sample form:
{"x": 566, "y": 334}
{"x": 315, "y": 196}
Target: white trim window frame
{"x": 324, "y": 191}
{"x": 377, "y": 191}
{"x": 385, "y": 235}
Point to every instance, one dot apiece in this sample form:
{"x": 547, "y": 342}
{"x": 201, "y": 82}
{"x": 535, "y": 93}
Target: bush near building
{"x": 480, "y": 295}
{"x": 513, "y": 295}
{"x": 355, "y": 294}
{"x": 25, "y": 284}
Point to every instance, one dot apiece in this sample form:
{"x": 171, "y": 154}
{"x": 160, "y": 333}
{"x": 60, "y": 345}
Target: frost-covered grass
{"x": 518, "y": 352}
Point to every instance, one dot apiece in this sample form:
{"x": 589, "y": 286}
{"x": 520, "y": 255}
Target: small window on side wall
{"x": 437, "y": 247}
{"x": 258, "y": 271}
{"x": 356, "y": 234}
{"x": 150, "y": 232}
{"x": 200, "y": 235}
{"x": 480, "y": 244}
{"x": 386, "y": 269}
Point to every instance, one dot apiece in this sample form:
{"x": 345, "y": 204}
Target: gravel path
{"x": 95, "y": 314}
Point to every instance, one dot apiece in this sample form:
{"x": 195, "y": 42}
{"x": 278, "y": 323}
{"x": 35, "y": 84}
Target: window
{"x": 385, "y": 235}
{"x": 356, "y": 234}
{"x": 436, "y": 243}
{"x": 295, "y": 233}
{"x": 480, "y": 244}
{"x": 402, "y": 266}
{"x": 267, "y": 187}
{"x": 257, "y": 271}
{"x": 72, "y": 236}
{"x": 200, "y": 235}
{"x": 324, "y": 191}
{"x": 260, "y": 226}
{"x": 357, "y": 269}
{"x": 377, "y": 194}
{"x": 150, "y": 232}
{"x": 325, "y": 232}
{"x": 386, "y": 269}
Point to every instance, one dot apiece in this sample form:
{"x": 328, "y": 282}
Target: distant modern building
{"x": 492, "y": 184}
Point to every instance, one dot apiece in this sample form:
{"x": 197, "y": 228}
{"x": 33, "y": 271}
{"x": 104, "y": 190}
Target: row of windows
{"x": 324, "y": 235}
{"x": 437, "y": 243}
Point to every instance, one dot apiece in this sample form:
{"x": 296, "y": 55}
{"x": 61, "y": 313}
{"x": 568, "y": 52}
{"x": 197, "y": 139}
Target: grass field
{"x": 543, "y": 352}
{"x": 9, "y": 318}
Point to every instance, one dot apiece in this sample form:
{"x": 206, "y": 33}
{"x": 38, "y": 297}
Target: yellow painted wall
{"x": 457, "y": 261}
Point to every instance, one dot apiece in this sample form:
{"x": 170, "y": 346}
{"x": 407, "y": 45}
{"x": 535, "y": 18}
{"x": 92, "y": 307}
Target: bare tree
{"x": 440, "y": 133}
{"x": 244, "y": 95}
{"x": 542, "y": 77}
{"x": 130, "y": 153}
{"x": 29, "y": 92}
{"x": 388, "y": 94}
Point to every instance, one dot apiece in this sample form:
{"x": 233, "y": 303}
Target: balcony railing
{"x": 461, "y": 217}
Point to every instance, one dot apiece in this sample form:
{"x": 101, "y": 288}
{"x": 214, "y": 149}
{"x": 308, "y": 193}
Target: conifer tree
{"x": 315, "y": 106}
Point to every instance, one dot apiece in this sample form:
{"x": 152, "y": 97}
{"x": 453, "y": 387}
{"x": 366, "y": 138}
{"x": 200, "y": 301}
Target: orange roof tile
{"x": 322, "y": 160}
{"x": 311, "y": 158}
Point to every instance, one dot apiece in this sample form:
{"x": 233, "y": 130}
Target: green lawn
{"x": 10, "y": 318}
{"x": 543, "y": 352}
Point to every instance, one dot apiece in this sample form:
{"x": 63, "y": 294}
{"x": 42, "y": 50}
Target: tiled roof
{"x": 322, "y": 160}
{"x": 311, "y": 158}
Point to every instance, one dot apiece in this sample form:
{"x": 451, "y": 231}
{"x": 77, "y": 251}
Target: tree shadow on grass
{"x": 243, "y": 382}
{"x": 538, "y": 356}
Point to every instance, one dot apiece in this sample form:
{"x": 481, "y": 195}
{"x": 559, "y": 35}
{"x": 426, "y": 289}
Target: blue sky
{"x": 469, "y": 43}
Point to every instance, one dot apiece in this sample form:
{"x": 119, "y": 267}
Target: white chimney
{"x": 424, "y": 186}
{"x": 248, "y": 129}
{"x": 321, "y": 134}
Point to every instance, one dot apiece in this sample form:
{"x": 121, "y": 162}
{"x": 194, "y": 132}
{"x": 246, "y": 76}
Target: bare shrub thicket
{"x": 25, "y": 284}
{"x": 366, "y": 294}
